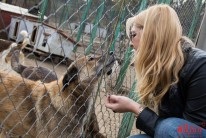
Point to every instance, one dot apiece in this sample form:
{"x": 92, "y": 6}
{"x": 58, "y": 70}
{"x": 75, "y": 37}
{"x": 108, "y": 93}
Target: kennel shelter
{"x": 91, "y": 27}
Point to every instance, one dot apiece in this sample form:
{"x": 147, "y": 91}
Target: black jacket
{"x": 186, "y": 99}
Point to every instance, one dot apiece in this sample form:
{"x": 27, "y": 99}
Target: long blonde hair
{"x": 159, "y": 57}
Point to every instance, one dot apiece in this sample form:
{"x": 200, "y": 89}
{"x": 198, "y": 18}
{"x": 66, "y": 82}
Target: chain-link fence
{"x": 46, "y": 41}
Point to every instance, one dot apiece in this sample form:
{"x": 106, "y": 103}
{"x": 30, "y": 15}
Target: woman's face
{"x": 135, "y": 35}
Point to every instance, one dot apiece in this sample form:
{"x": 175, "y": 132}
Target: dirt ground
{"x": 109, "y": 122}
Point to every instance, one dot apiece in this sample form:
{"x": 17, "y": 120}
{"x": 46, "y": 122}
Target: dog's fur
{"x": 55, "y": 109}
{"x": 30, "y": 72}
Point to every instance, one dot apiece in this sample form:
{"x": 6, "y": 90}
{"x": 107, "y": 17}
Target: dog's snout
{"x": 111, "y": 53}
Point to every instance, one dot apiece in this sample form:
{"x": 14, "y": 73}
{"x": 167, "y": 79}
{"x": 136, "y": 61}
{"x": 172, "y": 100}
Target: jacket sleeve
{"x": 195, "y": 106}
{"x": 146, "y": 121}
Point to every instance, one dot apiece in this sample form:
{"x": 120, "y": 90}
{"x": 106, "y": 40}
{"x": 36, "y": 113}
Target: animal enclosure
{"x": 60, "y": 33}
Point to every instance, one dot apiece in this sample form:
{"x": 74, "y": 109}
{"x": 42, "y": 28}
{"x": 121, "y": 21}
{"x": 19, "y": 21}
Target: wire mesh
{"x": 61, "y": 32}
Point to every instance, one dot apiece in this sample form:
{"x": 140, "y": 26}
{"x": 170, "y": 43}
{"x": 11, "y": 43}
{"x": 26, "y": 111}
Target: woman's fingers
{"x": 111, "y": 102}
{"x": 120, "y": 104}
{"x": 113, "y": 98}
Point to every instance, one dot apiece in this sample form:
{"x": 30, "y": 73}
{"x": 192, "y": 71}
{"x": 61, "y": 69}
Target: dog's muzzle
{"x": 108, "y": 64}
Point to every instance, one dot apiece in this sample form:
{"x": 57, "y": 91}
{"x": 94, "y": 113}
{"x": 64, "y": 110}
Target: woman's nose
{"x": 131, "y": 44}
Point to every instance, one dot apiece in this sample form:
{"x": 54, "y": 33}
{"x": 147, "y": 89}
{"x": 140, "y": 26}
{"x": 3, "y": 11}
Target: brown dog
{"x": 55, "y": 109}
{"x": 31, "y": 72}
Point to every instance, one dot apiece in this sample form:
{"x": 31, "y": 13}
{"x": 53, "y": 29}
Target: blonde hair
{"x": 159, "y": 57}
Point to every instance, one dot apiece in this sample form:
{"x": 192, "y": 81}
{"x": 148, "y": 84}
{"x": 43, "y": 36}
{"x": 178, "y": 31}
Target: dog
{"x": 7, "y": 47}
{"x": 6, "y": 44}
{"x": 55, "y": 109}
{"x": 30, "y": 72}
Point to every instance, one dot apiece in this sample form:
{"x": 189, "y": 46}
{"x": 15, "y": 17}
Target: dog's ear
{"x": 70, "y": 77}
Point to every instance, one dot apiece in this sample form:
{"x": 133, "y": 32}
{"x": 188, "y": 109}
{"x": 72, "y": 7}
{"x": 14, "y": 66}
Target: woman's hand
{"x": 122, "y": 104}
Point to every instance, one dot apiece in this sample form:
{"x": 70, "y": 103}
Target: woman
{"x": 171, "y": 76}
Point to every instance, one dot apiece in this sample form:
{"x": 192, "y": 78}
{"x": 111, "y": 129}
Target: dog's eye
{"x": 91, "y": 58}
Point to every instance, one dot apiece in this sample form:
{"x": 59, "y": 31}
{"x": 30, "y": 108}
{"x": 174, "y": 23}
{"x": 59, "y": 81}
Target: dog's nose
{"x": 111, "y": 53}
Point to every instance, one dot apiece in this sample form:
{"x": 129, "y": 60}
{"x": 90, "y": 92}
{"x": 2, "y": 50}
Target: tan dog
{"x": 55, "y": 109}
